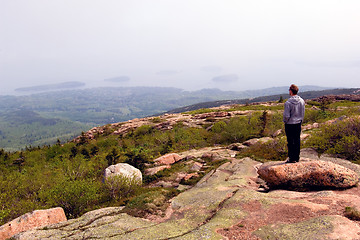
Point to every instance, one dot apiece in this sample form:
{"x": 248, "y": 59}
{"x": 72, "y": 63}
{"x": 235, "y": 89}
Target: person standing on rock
{"x": 294, "y": 110}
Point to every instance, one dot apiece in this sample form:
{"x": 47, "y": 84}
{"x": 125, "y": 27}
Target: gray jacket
{"x": 294, "y": 110}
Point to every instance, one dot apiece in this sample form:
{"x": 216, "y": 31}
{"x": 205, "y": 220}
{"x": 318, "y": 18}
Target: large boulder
{"x": 124, "y": 170}
{"x": 35, "y": 219}
{"x": 309, "y": 174}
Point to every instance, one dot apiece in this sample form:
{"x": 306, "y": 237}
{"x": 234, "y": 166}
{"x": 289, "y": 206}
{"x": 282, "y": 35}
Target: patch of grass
{"x": 119, "y": 187}
{"x": 150, "y": 201}
{"x": 156, "y": 120}
{"x": 202, "y": 110}
{"x": 275, "y": 150}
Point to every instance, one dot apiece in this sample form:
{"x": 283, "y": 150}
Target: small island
{"x": 50, "y": 87}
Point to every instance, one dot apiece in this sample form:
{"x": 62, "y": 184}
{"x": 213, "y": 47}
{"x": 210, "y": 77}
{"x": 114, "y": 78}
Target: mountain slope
{"x": 266, "y": 98}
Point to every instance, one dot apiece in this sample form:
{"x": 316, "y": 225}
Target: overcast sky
{"x": 190, "y": 44}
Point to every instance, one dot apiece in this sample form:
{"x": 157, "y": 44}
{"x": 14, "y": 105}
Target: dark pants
{"x": 293, "y": 138}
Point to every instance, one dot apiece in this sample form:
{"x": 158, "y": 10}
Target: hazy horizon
{"x": 230, "y": 45}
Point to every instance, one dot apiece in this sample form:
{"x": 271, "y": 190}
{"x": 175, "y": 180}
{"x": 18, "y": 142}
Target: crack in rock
{"x": 213, "y": 214}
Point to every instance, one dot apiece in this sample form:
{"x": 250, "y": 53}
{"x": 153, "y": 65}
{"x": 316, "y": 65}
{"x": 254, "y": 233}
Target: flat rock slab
{"x": 324, "y": 227}
{"x": 308, "y": 174}
{"x": 195, "y": 214}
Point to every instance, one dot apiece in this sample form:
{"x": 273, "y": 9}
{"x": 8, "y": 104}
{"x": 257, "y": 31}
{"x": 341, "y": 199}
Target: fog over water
{"x": 189, "y": 44}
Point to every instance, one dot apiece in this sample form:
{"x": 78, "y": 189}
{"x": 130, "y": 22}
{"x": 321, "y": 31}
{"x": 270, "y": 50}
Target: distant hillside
{"x": 50, "y": 87}
{"x": 305, "y": 95}
{"x": 21, "y": 128}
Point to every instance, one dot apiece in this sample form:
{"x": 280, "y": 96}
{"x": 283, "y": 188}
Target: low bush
{"x": 341, "y": 138}
{"x": 275, "y": 150}
{"x": 75, "y": 197}
{"x": 120, "y": 187}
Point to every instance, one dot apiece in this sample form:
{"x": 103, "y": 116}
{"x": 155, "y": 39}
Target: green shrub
{"x": 75, "y": 197}
{"x": 108, "y": 142}
{"x": 190, "y": 138}
{"x": 150, "y": 200}
{"x": 137, "y": 157}
{"x": 119, "y": 187}
{"x": 312, "y": 116}
{"x": 275, "y": 150}
{"x": 4, "y": 214}
{"x": 341, "y": 138}
{"x": 239, "y": 129}
{"x": 274, "y": 123}
{"x": 113, "y": 157}
{"x": 142, "y": 130}
{"x": 347, "y": 146}
{"x": 200, "y": 111}
{"x": 218, "y": 127}
{"x": 156, "y": 120}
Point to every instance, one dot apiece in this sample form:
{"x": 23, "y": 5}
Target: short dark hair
{"x": 294, "y": 89}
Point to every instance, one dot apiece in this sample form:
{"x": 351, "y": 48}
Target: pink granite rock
{"x": 154, "y": 170}
{"x": 167, "y": 159}
{"x": 35, "y": 219}
{"x": 310, "y": 174}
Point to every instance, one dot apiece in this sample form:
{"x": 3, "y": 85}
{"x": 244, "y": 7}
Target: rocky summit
{"x": 226, "y": 204}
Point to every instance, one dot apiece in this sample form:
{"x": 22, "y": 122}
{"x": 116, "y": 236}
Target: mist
{"x": 179, "y": 43}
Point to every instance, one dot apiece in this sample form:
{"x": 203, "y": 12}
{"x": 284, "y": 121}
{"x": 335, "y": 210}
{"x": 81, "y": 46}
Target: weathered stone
{"x": 212, "y": 115}
{"x": 196, "y": 167}
{"x": 303, "y": 136}
{"x": 190, "y": 175}
{"x": 310, "y": 126}
{"x": 236, "y": 146}
{"x": 190, "y": 157}
{"x": 324, "y": 227}
{"x": 253, "y": 141}
{"x": 180, "y": 176}
{"x": 166, "y": 184}
{"x": 211, "y": 156}
{"x": 167, "y": 159}
{"x": 309, "y": 174}
{"x": 277, "y": 133}
{"x": 183, "y": 187}
{"x": 32, "y": 220}
{"x": 185, "y": 176}
{"x": 125, "y": 170}
{"x": 154, "y": 170}
{"x": 309, "y": 153}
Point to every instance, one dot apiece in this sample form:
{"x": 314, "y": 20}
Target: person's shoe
{"x": 290, "y": 161}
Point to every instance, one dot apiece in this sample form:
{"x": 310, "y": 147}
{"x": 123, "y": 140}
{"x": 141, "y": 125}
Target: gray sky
{"x": 191, "y": 44}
